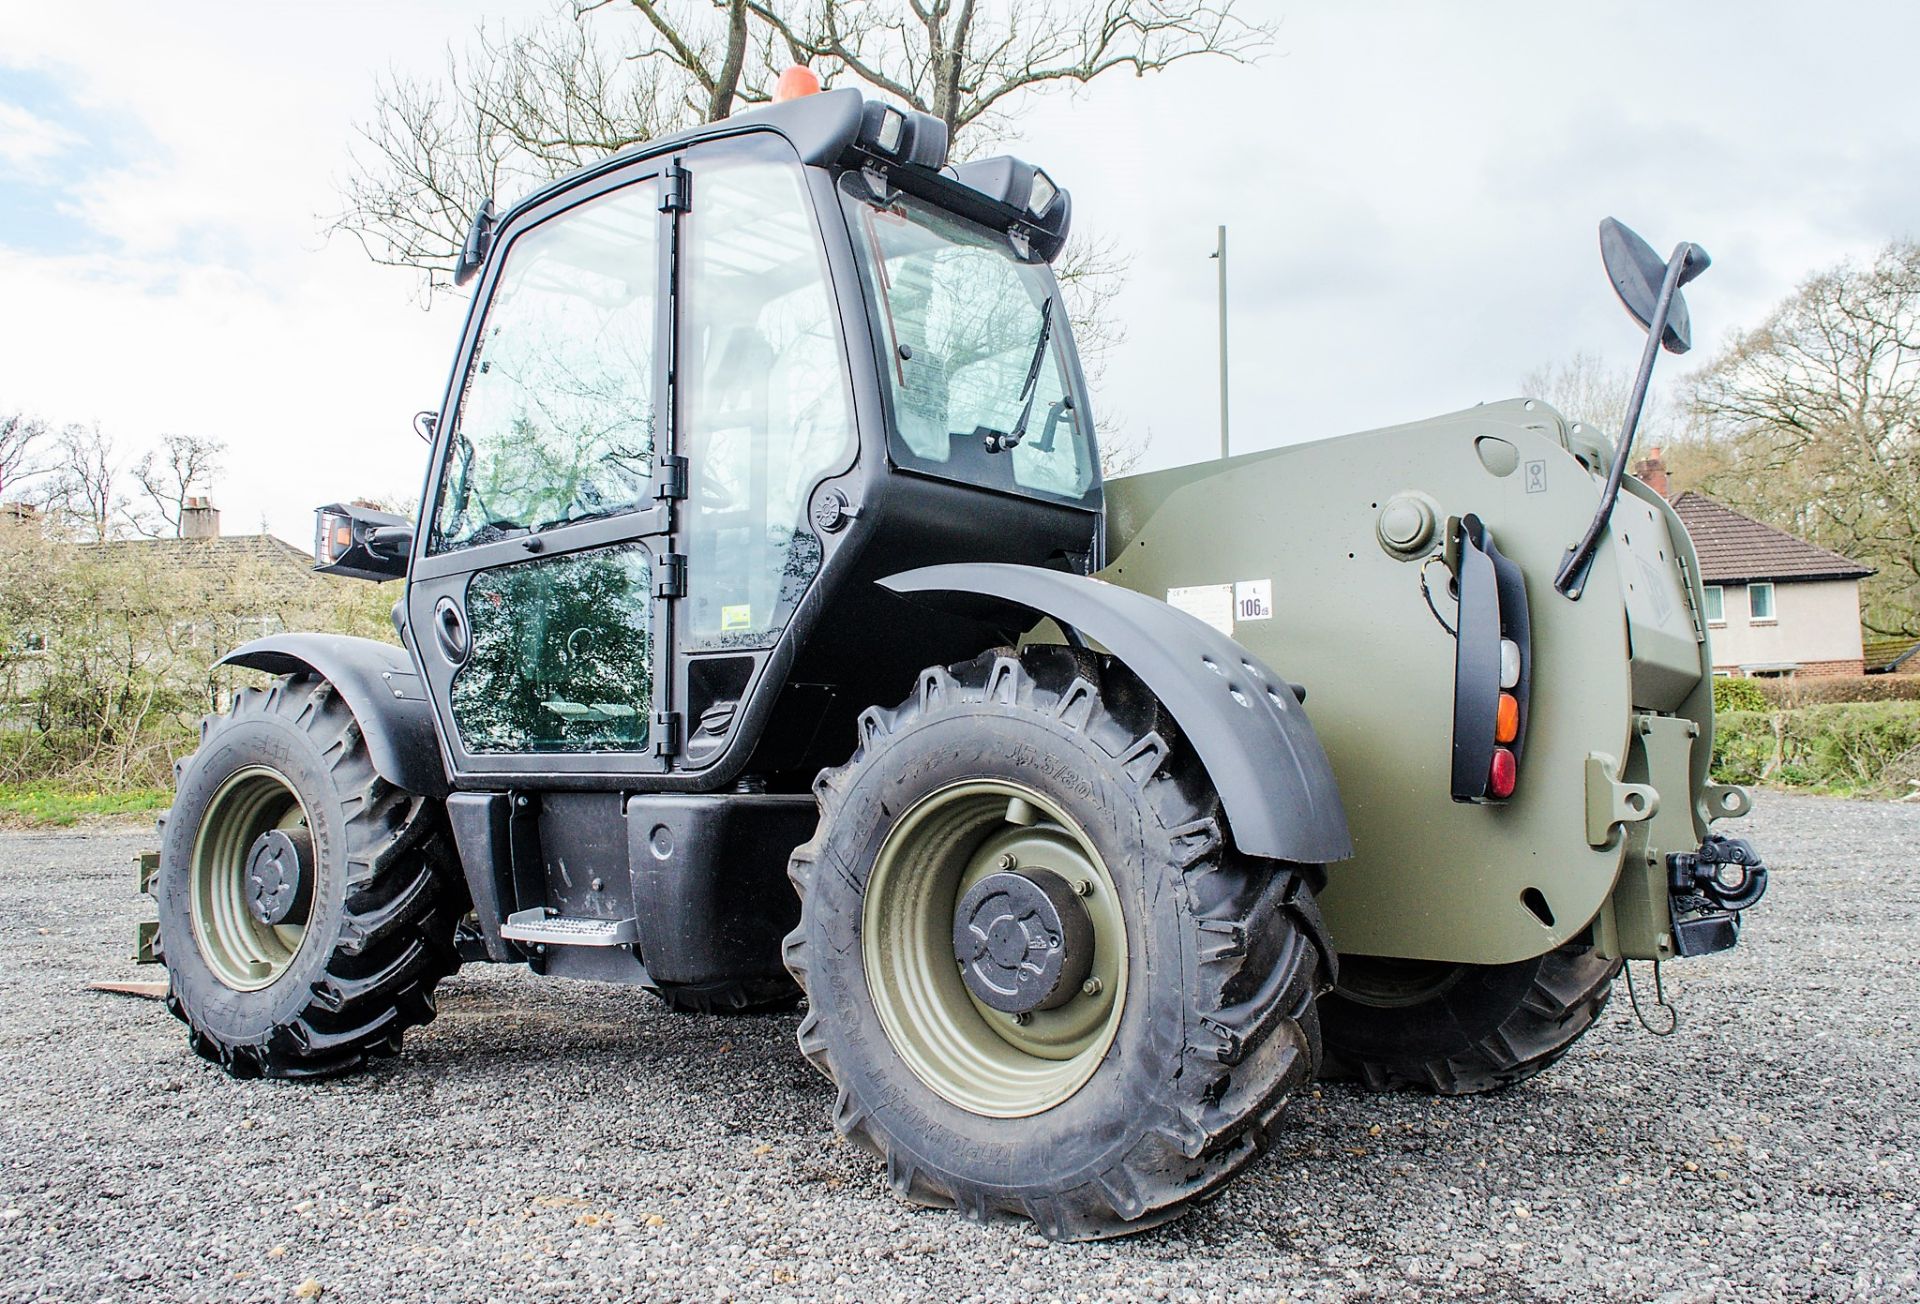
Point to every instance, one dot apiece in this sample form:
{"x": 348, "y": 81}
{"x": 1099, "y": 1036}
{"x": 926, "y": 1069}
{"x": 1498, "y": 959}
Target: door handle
{"x": 450, "y": 631}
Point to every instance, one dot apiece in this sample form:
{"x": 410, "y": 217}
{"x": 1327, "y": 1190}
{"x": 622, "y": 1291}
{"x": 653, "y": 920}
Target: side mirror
{"x": 473, "y": 254}
{"x": 1650, "y": 289}
{"x": 360, "y": 543}
{"x": 1637, "y": 273}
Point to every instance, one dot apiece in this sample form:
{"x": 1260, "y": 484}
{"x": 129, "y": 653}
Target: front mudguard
{"x": 1259, "y": 748}
{"x": 380, "y": 686}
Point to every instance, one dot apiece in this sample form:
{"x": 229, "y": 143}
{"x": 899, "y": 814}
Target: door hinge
{"x": 670, "y": 477}
{"x": 670, "y": 575}
{"x": 1686, "y": 588}
{"x": 676, "y": 189}
{"x": 666, "y": 733}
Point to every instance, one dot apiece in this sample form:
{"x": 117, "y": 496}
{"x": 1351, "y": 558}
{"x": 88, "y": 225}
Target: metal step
{"x": 542, "y": 925}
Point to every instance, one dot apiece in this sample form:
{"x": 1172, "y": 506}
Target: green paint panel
{"x": 1330, "y": 538}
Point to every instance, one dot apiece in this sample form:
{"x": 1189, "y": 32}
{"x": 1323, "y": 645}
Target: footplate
{"x": 540, "y": 926}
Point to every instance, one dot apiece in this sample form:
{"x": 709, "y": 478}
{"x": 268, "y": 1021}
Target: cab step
{"x": 542, "y": 925}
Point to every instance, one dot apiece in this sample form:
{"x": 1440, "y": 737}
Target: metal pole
{"x": 1220, "y": 253}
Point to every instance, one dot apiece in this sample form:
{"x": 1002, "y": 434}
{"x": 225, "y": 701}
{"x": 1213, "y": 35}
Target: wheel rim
{"x": 243, "y": 952}
{"x": 1389, "y": 983}
{"x": 976, "y": 1057}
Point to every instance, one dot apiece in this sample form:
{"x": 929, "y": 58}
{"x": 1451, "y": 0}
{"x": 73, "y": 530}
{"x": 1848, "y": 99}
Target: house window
{"x": 1716, "y": 605}
{"x": 1760, "y": 601}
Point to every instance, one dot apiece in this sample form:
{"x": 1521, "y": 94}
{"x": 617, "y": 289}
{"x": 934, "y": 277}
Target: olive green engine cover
{"x": 1311, "y": 556}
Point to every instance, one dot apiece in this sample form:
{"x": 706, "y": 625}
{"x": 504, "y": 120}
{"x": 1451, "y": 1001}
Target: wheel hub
{"x": 1023, "y": 940}
{"x": 279, "y": 869}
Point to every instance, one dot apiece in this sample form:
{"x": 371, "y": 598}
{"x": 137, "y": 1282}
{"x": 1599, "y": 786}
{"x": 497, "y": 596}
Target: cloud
{"x": 1411, "y": 193}
{"x": 28, "y": 142}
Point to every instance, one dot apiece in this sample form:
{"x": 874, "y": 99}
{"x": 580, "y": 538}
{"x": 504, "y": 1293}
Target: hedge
{"x": 1740, "y": 695}
{"x": 1870, "y": 748}
{"x": 1792, "y": 693}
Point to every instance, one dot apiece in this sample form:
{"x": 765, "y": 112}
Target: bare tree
{"x": 21, "y": 438}
{"x": 170, "y": 475}
{"x": 1586, "y": 387}
{"x": 965, "y": 63}
{"x": 83, "y": 494}
{"x": 1815, "y": 422}
{"x": 515, "y": 110}
{"x": 511, "y": 112}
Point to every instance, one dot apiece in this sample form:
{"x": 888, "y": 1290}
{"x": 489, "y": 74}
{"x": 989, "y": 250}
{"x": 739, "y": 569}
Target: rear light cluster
{"x": 1504, "y": 774}
{"x": 1492, "y": 664}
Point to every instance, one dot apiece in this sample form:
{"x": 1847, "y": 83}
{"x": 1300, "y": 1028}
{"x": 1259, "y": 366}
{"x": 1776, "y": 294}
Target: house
{"x": 1777, "y": 606}
{"x": 255, "y": 580}
{"x": 161, "y": 610}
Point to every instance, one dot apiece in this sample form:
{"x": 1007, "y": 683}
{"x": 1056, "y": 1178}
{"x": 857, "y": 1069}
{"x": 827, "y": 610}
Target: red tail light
{"x": 1504, "y": 774}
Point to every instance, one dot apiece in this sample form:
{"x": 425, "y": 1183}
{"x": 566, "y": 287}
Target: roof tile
{"x": 1735, "y": 548}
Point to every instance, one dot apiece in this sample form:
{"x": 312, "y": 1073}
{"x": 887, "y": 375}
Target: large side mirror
{"x": 473, "y": 254}
{"x": 360, "y": 542}
{"x": 1637, "y": 273}
{"x": 1650, "y": 288}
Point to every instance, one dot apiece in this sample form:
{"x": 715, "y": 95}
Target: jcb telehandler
{"x": 769, "y": 635}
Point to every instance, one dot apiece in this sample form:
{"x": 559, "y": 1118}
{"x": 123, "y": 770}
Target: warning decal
{"x": 1212, "y": 603}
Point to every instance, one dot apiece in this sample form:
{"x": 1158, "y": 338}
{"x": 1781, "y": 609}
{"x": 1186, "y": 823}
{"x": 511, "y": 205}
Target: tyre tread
{"x": 404, "y": 897}
{"x": 1253, "y": 1003}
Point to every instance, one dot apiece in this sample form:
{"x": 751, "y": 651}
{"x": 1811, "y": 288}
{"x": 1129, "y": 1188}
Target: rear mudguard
{"x": 381, "y": 688}
{"x": 1254, "y": 738}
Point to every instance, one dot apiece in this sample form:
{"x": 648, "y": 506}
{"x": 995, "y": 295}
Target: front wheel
{"x": 1042, "y": 980}
{"x": 1460, "y": 1029}
{"x": 307, "y": 906}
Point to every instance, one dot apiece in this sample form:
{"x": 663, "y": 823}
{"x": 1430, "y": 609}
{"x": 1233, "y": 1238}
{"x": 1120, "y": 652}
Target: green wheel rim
{"x": 243, "y": 953}
{"x": 972, "y": 1055}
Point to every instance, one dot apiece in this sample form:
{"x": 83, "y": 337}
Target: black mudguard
{"x": 380, "y": 686}
{"x": 1251, "y": 734}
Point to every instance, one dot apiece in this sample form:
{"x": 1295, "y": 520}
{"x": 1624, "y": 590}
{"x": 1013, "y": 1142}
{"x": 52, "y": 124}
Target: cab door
{"x": 538, "y": 594}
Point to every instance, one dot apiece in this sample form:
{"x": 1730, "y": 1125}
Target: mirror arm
{"x": 1573, "y": 571}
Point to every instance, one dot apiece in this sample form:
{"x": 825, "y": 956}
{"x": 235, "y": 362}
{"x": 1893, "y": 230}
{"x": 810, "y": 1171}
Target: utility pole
{"x": 1220, "y": 254}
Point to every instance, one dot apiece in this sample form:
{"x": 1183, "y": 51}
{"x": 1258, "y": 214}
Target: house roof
{"x": 1735, "y": 548}
{"x": 214, "y": 553}
{"x": 224, "y": 560}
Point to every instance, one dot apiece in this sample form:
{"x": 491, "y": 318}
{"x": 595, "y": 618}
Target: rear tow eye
{"x": 1707, "y": 891}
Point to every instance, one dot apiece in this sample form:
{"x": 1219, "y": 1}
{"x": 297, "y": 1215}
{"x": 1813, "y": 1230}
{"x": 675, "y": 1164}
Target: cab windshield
{"x": 975, "y": 352}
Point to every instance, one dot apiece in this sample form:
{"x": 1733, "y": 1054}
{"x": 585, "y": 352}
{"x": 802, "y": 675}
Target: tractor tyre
{"x": 307, "y": 906}
{"x": 744, "y": 996}
{"x": 1042, "y": 980}
{"x": 1459, "y": 1029}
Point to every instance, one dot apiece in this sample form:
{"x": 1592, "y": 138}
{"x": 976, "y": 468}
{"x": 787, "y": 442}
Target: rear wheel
{"x": 307, "y": 906}
{"x": 1042, "y": 980}
{"x": 1458, "y": 1029}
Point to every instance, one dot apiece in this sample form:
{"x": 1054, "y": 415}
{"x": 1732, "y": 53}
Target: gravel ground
{"x": 547, "y": 1139}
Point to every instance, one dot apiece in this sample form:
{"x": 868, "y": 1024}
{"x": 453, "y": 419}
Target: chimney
{"x": 1652, "y": 471}
{"x": 199, "y": 518}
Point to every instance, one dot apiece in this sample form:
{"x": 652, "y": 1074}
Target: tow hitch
{"x": 1708, "y": 889}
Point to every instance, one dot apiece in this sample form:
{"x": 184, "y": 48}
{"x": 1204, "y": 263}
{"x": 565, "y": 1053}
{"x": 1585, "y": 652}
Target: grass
{"x": 54, "y": 805}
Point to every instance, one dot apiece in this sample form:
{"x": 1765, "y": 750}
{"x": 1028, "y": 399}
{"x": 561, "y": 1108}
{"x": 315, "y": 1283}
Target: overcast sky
{"x": 1411, "y": 193}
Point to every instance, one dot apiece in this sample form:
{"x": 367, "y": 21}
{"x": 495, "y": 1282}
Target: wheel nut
{"x": 1083, "y": 887}
{"x": 1022, "y": 1019}
{"x": 1091, "y": 987}
{"x": 1007, "y": 861}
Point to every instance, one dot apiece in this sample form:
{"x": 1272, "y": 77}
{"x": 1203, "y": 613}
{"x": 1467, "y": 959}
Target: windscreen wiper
{"x": 996, "y": 441}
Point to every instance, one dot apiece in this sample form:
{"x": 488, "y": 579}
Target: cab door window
{"x": 766, "y": 411}
{"x": 555, "y": 422}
